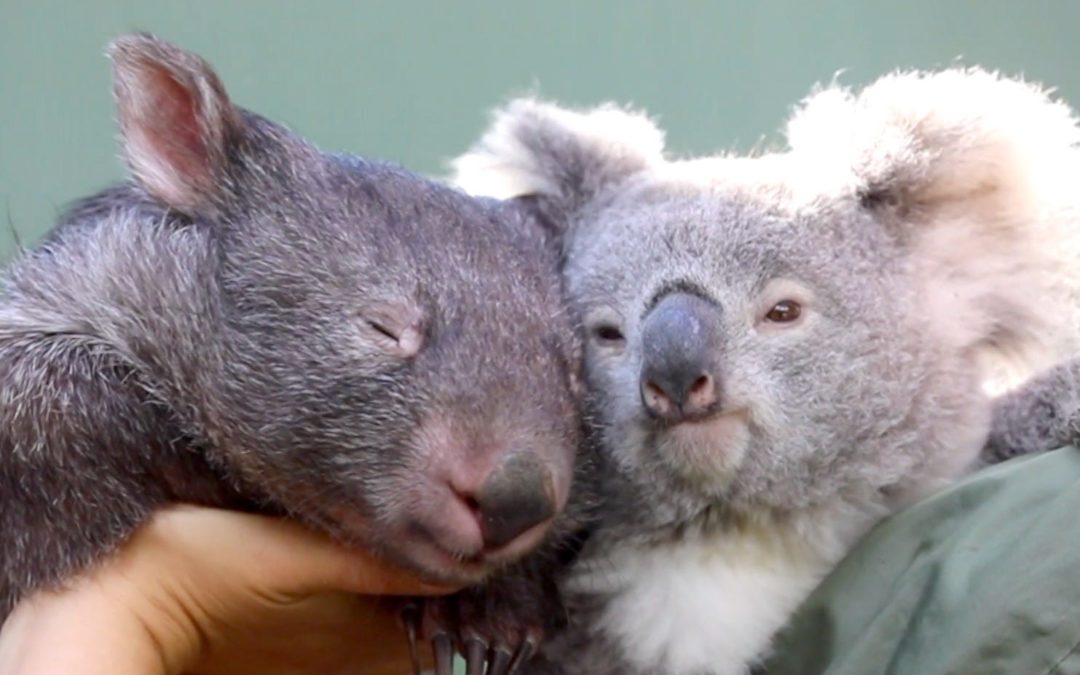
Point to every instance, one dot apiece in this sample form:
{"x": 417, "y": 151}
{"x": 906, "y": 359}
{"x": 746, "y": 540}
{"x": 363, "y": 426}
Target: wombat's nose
{"x": 680, "y": 346}
{"x": 518, "y": 495}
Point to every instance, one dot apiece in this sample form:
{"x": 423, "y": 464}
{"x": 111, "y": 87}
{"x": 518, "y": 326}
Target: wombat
{"x": 782, "y": 349}
{"x": 252, "y": 323}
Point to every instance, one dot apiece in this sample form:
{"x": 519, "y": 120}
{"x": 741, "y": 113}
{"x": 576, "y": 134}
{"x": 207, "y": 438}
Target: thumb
{"x": 288, "y": 559}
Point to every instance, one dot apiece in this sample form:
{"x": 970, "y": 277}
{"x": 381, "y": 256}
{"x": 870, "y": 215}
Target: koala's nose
{"x": 517, "y": 496}
{"x": 680, "y": 346}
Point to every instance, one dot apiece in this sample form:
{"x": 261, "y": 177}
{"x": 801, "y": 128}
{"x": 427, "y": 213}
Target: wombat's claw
{"x": 500, "y": 662}
{"x": 505, "y": 661}
{"x": 500, "y": 659}
{"x": 479, "y": 659}
{"x": 443, "y": 648}
{"x": 410, "y": 618}
{"x": 524, "y": 652}
{"x": 475, "y": 656}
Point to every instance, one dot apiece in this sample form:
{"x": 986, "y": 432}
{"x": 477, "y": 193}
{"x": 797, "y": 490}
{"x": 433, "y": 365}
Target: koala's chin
{"x": 708, "y": 451}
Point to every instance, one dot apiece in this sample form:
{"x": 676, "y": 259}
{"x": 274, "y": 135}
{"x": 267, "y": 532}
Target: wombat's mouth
{"x": 444, "y": 565}
{"x": 427, "y": 552}
{"x": 439, "y": 547}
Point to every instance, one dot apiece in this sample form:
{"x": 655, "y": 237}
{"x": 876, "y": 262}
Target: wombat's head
{"x": 774, "y": 332}
{"x": 397, "y": 365}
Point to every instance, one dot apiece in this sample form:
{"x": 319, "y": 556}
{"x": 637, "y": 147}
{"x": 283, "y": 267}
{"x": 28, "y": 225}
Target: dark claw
{"x": 475, "y": 656}
{"x": 444, "y": 654}
{"x": 410, "y": 618}
{"x": 524, "y": 653}
{"x": 500, "y": 662}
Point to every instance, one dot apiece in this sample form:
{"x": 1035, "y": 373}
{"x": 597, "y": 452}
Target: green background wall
{"x": 411, "y": 81}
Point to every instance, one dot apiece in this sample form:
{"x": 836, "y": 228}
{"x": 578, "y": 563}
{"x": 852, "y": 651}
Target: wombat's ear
{"x": 557, "y": 158}
{"x": 176, "y": 121}
{"x": 960, "y": 139}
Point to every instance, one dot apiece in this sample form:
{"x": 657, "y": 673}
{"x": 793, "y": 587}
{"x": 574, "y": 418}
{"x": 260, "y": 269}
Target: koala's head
{"x": 775, "y": 332}
{"x": 393, "y": 358}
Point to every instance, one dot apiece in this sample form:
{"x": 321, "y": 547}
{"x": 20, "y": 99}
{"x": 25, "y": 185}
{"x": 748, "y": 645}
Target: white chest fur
{"x": 707, "y": 604}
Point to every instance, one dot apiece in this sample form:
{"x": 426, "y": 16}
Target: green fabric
{"x": 981, "y": 579}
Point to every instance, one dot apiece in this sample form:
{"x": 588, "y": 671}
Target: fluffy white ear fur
{"x": 536, "y": 148}
{"x": 982, "y": 175}
{"x": 939, "y": 136}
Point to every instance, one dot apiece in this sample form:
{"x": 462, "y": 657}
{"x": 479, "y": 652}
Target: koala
{"x": 782, "y": 349}
{"x": 1041, "y": 415}
{"x": 251, "y": 323}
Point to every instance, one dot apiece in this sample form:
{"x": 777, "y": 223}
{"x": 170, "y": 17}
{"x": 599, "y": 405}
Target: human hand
{"x": 215, "y": 592}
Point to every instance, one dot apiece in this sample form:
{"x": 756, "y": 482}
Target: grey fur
{"x": 215, "y": 332}
{"x": 1042, "y": 415}
{"x": 927, "y": 226}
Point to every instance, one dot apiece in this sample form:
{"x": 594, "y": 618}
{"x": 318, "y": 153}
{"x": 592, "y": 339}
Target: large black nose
{"x": 681, "y": 345}
{"x": 516, "y": 496}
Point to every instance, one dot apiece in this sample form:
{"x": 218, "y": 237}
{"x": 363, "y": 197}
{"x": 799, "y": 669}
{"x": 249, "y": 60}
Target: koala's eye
{"x": 784, "y": 311}
{"x": 608, "y": 335}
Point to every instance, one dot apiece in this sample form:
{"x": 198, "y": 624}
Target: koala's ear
{"x": 962, "y": 139}
{"x": 557, "y": 158}
{"x": 176, "y": 122}
{"x": 976, "y": 176}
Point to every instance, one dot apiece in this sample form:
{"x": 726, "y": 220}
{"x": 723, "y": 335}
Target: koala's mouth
{"x": 708, "y": 449}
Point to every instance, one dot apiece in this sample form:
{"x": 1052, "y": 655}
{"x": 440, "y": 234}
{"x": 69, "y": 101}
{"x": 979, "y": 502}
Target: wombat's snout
{"x": 680, "y": 344}
{"x": 514, "y": 497}
{"x": 482, "y": 499}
